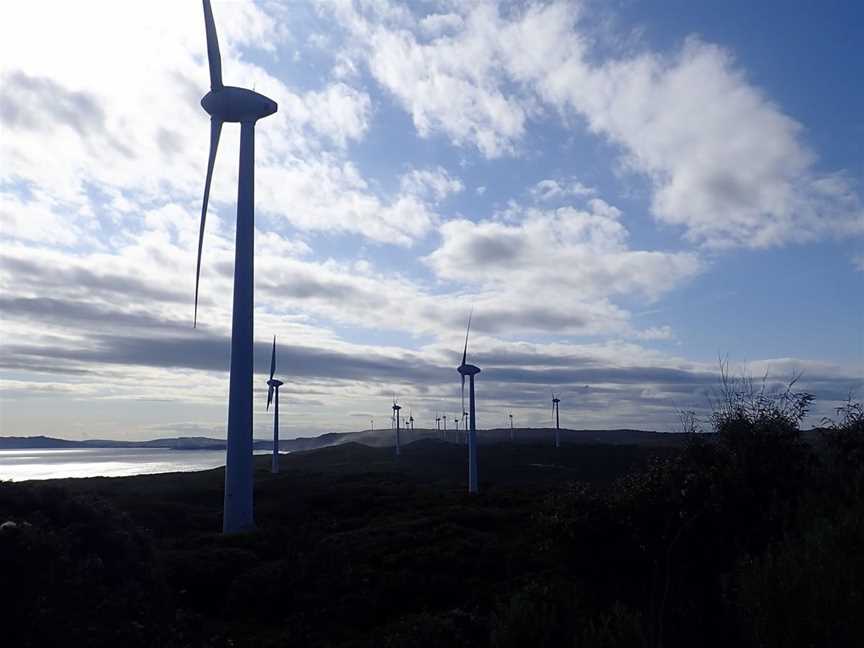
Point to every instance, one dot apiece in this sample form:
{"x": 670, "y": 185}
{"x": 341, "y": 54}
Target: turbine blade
{"x": 273, "y": 359}
{"x": 213, "y": 55}
{"x": 465, "y": 350}
{"x": 215, "y": 131}
{"x": 269, "y": 397}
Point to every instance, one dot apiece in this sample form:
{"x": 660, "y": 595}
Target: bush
{"x": 549, "y": 612}
{"x": 844, "y": 443}
{"x": 807, "y": 590}
{"x": 76, "y": 572}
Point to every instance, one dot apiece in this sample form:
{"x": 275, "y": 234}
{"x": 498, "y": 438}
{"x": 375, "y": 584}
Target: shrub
{"x": 76, "y": 572}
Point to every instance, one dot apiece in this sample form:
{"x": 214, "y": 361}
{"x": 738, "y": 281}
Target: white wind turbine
{"x": 273, "y": 386}
{"x": 555, "y": 411}
{"x": 396, "y": 408}
{"x": 229, "y": 104}
{"x": 465, "y": 369}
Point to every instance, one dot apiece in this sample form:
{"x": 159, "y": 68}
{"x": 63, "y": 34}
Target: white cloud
{"x": 555, "y": 190}
{"x": 656, "y": 333}
{"x": 555, "y": 271}
{"x": 435, "y": 183}
{"x": 725, "y": 163}
{"x": 437, "y": 24}
{"x": 450, "y": 84}
{"x": 561, "y": 251}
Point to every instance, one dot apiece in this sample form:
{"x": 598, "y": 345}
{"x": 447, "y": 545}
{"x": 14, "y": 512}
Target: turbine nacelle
{"x": 230, "y": 104}
{"x": 274, "y": 383}
{"x": 468, "y": 370}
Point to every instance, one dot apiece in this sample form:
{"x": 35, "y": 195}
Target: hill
{"x": 376, "y": 438}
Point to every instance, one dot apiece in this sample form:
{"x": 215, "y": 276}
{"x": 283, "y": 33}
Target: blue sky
{"x": 622, "y": 191}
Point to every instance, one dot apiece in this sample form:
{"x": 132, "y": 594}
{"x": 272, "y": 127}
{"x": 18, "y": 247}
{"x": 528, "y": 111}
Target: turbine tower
{"x": 396, "y": 409}
{"x": 273, "y": 394}
{"x": 511, "y": 426}
{"x": 555, "y": 411}
{"x": 444, "y": 418}
{"x": 465, "y": 369}
{"x": 372, "y": 425}
{"x": 229, "y": 104}
{"x": 438, "y": 424}
{"x": 411, "y": 419}
{"x": 465, "y": 423}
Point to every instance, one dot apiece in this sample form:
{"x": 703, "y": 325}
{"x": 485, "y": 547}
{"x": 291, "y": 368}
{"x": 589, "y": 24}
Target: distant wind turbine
{"x": 396, "y": 409}
{"x": 555, "y": 411}
{"x": 511, "y": 426}
{"x": 466, "y": 369}
{"x": 273, "y": 386}
{"x": 411, "y": 419}
{"x": 438, "y": 424}
{"x": 372, "y": 424}
{"x": 229, "y": 104}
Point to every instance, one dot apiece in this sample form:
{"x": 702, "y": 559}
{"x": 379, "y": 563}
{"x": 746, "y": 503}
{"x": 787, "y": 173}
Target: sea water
{"x": 56, "y": 463}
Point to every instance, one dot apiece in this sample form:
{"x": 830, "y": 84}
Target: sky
{"x": 623, "y": 192}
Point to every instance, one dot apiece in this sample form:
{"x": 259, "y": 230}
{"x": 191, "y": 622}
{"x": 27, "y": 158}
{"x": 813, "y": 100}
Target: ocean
{"x": 20, "y": 465}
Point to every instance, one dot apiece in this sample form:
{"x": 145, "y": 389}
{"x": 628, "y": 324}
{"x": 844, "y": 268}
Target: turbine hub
{"x": 468, "y": 370}
{"x": 230, "y": 104}
{"x": 275, "y": 383}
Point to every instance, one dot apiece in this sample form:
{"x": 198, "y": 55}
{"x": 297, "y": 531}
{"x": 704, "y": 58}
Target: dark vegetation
{"x": 746, "y": 537}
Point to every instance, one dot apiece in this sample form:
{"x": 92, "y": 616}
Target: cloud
{"x": 450, "y": 84}
{"x": 546, "y": 190}
{"x": 725, "y": 163}
{"x": 41, "y": 104}
{"x": 435, "y": 183}
{"x": 554, "y": 252}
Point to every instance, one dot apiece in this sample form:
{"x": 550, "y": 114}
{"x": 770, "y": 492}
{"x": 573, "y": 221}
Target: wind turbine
{"x": 396, "y": 409}
{"x": 372, "y": 425}
{"x": 555, "y": 411}
{"x": 511, "y": 426}
{"x": 465, "y": 423}
{"x": 273, "y": 388}
{"x": 465, "y": 369}
{"x": 444, "y": 418}
{"x": 438, "y": 424}
{"x": 411, "y": 419}
{"x": 229, "y": 104}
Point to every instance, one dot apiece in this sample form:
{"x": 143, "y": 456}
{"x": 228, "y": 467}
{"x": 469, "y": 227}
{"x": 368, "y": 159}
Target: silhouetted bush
{"x": 549, "y": 612}
{"x": 807, "y": 589}
{"x": 844, "y": 456}
{"x": 76, "y": 572}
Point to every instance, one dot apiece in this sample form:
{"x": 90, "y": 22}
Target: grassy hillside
{"x": 736, "y": 541}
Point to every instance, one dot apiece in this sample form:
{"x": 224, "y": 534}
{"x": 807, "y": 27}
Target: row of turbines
{"x": 246, "y": 107}
{"x": 464, "y": 370}
{"x": 442, "y": 419}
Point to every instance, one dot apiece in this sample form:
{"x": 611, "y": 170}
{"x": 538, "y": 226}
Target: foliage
{"x": 71, "y": 563}
{"x": 844, "y": 442}
{"x": 743, "y": 536}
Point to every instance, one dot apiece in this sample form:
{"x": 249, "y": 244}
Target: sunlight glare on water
{"x": 19, "y": 465}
